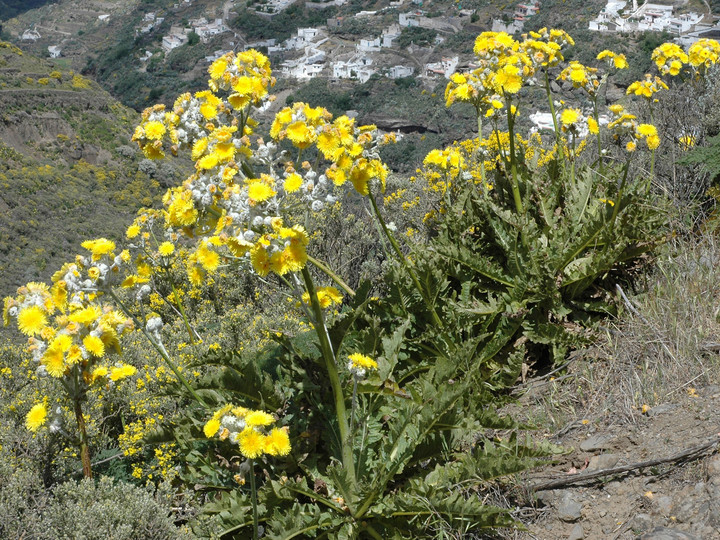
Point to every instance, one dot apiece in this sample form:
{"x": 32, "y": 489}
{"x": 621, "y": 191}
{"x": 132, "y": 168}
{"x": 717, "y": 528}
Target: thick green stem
{"x": 372, "y": 532}
{"x": 479, "y": 148}
{"x": 552, "y": 112}
{"x": 159, "y": 348}
{"x": 253, "y": 496}
{"x": 403, "y": 260}
{"x": 337, "y": 279}
{"x": 513, "y": 162}
{"x": 621, "y": 190}
{"x": 332, "y": 372}
{"x": 596, "y": 116}
{"x": 84, "y": 447}
{"x": 184, "y": 316}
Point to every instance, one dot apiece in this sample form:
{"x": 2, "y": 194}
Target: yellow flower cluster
{"x": 703, "y": 54}
{"x": 351, "y": 150}
{"x": 327, "y": 296}
{"x": 232, "y": 211}
{"x": 249, "y": 430}
{"x": 359, "y": 364}
{"x": 581, "y": 76}
{"x": 70, "y": 331}
{"x": 625, "y": 125}
{"x": 618, "y": 61}
{"x": 647, "y": 88}
{"x": 669, "y": 58}
{"x": 505, "y": 65}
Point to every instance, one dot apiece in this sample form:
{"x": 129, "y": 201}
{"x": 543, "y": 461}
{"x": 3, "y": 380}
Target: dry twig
{"x": 691, "y": 453}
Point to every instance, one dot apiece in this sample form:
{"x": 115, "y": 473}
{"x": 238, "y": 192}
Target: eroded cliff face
{"x": 38, "y": 134}
{"x": 68, "y": 170}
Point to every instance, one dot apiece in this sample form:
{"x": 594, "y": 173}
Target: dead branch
{"x": 691, "y": 453}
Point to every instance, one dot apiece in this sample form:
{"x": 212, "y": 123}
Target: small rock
{"x": 546, "y": 497}
{"x": 569, "y": 509}
{"x": 664, "y": 504}
{"x": 641, "y": 522}
{"x": 714, "y": 466}
{"x": 661, "y": 409}
{"x": 577, "y": 533}
{"x": 596, "y": 442}
{"x": 663, "y": 533}
{"x": 603, "y": 461}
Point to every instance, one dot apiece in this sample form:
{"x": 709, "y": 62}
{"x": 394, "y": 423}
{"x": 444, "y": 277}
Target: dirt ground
{"x": 676, "y": 499}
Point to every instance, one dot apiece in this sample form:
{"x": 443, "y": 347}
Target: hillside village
{"x": 321, "y": 51}
{"x": 688, "y": 27}
{"x": 386, "y": 45}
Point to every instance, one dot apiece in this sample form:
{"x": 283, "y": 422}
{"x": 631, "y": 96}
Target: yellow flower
{"x": 86, "y": 315}
{"x": 99, "y": 247}
{"x": 132, "y": 231}
{"x": 209, "y": 259}
{"x": 211, "y": 428}
{"x": 300, "y": 134}
{"x": 570, "y": 116}
{"x": 630, "y": 146}
{"x": 31, "y": 320}
{"x": 122, "y": 372}
{"x": 208, "y": 111}
{"x": 198, "y": 148}
{"x": 593, "y": 126}
{"x": 99, "y": 372}
{"x": 277, "y": 443}
{"x": 260, "y": 260}
{"x": 293, "y": 182}
{"x": 154, "y": 130}
{"x": 94, "y": 345}
{"x": 217, "y": 68}
{"x": 251, "y": 443}
{"x": 166, "y": 249}
{"x": 653, "y": 141}
{"x": 54, "y": 362}
{"x": 259, "y": 191}
{"x": 258, "y": 418}
{"x": 36, "y": 418}
{"x": 646, "y": 130}
{"x": 362, "y": 362}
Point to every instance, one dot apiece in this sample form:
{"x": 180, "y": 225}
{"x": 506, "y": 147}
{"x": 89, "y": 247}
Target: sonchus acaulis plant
{"x": 372, "y": 420}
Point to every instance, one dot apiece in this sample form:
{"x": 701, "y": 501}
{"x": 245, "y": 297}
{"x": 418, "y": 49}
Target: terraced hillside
{"x": 67, "y": 168}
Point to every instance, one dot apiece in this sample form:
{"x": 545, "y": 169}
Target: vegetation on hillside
{"x": 65, "y": 150}
{"x": 293, "y": 349}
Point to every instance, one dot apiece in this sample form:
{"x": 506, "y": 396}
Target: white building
{"x": 390, "y": 34}
{"x": 173, "y": 41}
{"x": 398, "y": 72}
{"x": 104, "y": 18}
{"x": 498, "y": 25}
{"x": 30, "y": 35}
{"x": 54, "y": 51}
{"x": 369, "y": 45}
{"x": 408, "y": 19}
{"x": 207, "y": 30}
{"x": 357, "y": 68}
{"x": 446, "y": 67}
{"x": 303, "y": 38}
{"x": 215, "y": 55}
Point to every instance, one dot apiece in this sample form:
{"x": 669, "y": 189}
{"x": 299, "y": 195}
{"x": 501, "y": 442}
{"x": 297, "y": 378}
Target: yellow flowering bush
{"x": 384, "y": 389}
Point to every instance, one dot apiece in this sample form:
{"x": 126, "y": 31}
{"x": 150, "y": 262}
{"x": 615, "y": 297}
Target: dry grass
{"x": 665, "y": 342}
